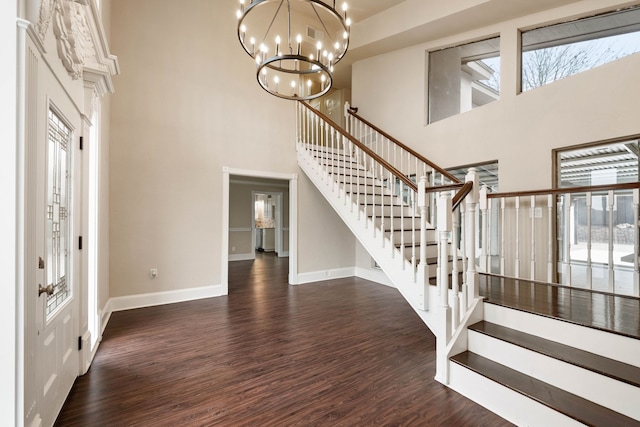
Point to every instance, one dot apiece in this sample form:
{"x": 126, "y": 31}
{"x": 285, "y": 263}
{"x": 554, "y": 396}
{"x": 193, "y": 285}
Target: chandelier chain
{"x": 274, "y": 19}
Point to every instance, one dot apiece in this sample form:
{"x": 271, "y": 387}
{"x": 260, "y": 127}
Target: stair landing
{"x": 607, "y": 312}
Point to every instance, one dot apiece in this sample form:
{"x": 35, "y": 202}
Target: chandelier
{"x": 294, "y": 43}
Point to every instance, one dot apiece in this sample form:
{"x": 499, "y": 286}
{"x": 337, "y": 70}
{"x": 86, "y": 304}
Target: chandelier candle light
{"x": 294, "y": 43}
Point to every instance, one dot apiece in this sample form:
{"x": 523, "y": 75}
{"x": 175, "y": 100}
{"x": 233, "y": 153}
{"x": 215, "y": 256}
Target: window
{"x": 58, "y": 212}
{"x": 610, "y": 163}
{"x": 463, "y": 77}
{"x": 558, "y": 51}
{"x": 597, "y": 227}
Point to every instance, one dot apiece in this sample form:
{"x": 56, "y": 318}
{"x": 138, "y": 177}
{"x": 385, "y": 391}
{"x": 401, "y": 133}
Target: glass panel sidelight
{"x": 57, "y": 224}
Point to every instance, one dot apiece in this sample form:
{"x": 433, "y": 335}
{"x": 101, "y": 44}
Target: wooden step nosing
{"x": 568, "y": 411}
{"x": 583, "y": 354}
{"x": 561, "y": 319}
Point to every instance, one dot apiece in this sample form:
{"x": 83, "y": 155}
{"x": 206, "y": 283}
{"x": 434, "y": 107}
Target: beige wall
{"x": 519, "y": 130}
{"x": 187, "y": 104}
{"x": 323, "y": 239}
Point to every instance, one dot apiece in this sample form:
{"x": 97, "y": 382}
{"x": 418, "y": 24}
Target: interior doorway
{"x": 267, "y": 229}
{"x": 239, "y": 229}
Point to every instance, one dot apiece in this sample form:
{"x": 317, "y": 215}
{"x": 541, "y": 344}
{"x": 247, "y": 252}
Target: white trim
{"x": 283, "y": 254}
{"x": 166, "y": 297}
{"x": 257, "y": 183}
{"x": 319, "y": 276}
{"x": 242, "y": 257}
{"x": 239, "y": 230}
{"x": 105, "y": 316}
{"x": 374, "y": 275}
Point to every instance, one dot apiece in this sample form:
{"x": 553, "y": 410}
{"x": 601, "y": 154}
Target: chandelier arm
{"x": 321, "y": 21}
{"x": 275, "y": 15}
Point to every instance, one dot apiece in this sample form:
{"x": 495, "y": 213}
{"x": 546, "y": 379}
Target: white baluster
{"x": 456, "y": 313}
{"x": 464, "y": 293}
{"x": 532, "y": 272}
{"x": 517, "y": 238}
{"x": 567, "y": 240}
{"x": 484, "y": 259}
{"x": 551, "y": 222}
{"x": 611, "y": 200}
{"x": 423, "y": 269}
{"x": 636, "y": 239}
{"x": 502, "y": 235}
{"x": 589, "y": 203}
{"x": 392, "y": 191}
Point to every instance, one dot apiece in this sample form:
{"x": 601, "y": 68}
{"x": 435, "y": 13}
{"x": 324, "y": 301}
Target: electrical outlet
{"x": 153, "y": 273}
{"x": 233, "y": 248}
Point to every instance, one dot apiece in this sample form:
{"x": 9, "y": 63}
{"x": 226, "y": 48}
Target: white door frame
{"x": 293, "y": 220}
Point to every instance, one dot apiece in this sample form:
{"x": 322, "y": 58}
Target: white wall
{"x": 519, "y": 130}
{"x": 186, "y": 104}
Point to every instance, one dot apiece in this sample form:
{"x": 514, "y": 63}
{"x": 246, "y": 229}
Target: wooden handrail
{"x": 404, "y": 147}
{"x": 438, "y": 188}
{"x": 461, "y": 194}
{"x": 363, "y": 147}
{"x": 585, "y": 189}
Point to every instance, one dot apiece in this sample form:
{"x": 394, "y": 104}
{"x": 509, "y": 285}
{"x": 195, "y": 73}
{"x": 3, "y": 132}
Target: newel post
{"x": 472, "y": 203}
{"x": 423, "y": 269}
{"x": 444, "y": 228}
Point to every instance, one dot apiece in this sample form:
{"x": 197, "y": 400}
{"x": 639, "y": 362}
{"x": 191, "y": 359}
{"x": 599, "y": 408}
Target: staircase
{"x": 528, "y": 368}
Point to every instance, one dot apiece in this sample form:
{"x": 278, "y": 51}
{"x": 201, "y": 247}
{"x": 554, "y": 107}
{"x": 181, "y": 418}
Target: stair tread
{"x": 409, "y": 245}
{"x": 555, "y": 398}
{"x": 611, "y": 368}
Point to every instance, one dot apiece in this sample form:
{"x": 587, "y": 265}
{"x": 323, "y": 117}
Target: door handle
{"x": 45, "y": 290}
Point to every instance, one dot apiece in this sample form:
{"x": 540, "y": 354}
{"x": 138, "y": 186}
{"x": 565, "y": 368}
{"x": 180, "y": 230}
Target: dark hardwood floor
{"x": 343, "y": 352}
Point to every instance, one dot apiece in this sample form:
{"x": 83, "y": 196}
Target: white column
{"x": 444, "y": 227}
{"x": 471, "y": 201}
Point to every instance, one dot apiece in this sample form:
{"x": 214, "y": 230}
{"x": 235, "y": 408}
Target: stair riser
{"x": 348, "y": 165}
{"x": 605, "y": 391}
{"x": 378, "y": 210}
{"x": 505, "y": 402}
{"x": 356, "y": 184}
{"x": 409, "y": 236}
{"x": 432, "y": 251}
{"x": 605, "y": 344}
{"x": 433, "y": 268}
{"x": 370, "y": 199}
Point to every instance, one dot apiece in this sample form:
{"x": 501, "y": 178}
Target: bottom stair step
{"x": 593, "y": 362}
{"x": 555, "y": 398}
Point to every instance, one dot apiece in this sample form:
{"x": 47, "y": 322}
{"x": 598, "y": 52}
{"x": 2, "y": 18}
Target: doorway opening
{"x": 247, "y": 197}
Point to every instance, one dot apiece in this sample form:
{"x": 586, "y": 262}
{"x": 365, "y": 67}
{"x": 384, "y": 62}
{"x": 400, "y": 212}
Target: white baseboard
{"x": 242, "y": 257}
{"x": 105, "y": 315}
{"x": 374, "y": 275}
{"x": 167, "y": 297}
{"x": 317, "y": 276}
{"x": 283, "y": 254}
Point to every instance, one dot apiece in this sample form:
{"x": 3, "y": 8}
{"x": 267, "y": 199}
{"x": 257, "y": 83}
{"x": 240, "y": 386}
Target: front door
{"x": 57, "y": 302}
